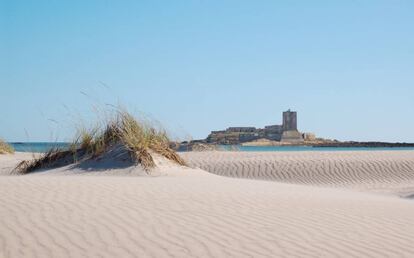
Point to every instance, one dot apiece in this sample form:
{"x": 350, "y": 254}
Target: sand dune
{"x": 9, "y": 161}
{"x": 380, "y": 171}
{"x": 193, "y": 213}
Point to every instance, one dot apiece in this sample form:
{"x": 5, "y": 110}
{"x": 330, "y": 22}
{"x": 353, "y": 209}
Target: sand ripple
{"x": 204, "y": 216}
{"x": 382, "y": 171}
{"x": 193, "y": 213}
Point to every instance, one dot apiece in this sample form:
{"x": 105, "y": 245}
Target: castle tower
{"x": 290, "y": 121}
{"x": 290, "y": 128}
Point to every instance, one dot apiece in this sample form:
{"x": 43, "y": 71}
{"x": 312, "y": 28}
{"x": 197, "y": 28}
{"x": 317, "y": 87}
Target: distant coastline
{"x": 286, "y": 134}
{"x": 330, "y": 143}
{"x": 201, "y": 145}
{"x": 305, "y": 146}
{"x": 366, "y": 144}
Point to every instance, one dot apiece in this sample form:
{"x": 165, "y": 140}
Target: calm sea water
{"x": 37, "y": 146}
{"x": 45, "y": 146}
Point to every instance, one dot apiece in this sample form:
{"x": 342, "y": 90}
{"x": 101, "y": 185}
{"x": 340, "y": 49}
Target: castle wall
{"x": 241, "y": 129}
{"x": 287, "y": 132}
{"x": 292, "y": 136}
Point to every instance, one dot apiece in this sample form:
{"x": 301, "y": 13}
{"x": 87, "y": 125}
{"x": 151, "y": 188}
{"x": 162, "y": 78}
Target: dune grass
{"x": 140, "y": 139}
{"x": 48, "y": 159}
{"x": 5, "y": 148}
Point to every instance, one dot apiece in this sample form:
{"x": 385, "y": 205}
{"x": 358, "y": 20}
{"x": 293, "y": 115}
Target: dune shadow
{"x": 114, "y": 159}
{"x": 411, "y": 196}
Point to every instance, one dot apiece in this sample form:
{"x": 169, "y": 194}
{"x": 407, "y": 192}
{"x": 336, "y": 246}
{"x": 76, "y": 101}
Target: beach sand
{"x": 302, "y": 204}
{"x": 374, "y": 171}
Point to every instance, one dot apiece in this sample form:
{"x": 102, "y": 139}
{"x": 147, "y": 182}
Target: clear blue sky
{"x": 347, "y": 67}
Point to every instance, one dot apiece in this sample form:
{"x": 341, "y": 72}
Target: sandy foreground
{"x": 279, "y": 204}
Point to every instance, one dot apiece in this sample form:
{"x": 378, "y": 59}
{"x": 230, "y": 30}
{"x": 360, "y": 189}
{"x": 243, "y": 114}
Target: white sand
{"x": 9, "y": 161}
{"x": 374, "y": 171}
{"x": 192, "y": 213}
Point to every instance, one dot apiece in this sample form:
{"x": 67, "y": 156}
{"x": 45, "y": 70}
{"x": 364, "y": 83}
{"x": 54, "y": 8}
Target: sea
{"x": 38, "y": 146}
{"x": 45, "y": 146}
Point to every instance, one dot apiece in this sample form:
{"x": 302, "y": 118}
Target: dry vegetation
{"x": 5, "y": 148}
{"x": 140, "y": 139}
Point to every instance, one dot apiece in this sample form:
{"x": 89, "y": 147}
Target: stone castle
{"x": 287, "y": 132}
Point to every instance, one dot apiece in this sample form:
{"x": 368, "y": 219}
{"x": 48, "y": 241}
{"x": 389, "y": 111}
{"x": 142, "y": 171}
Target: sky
{"x": 346, "y": 67}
